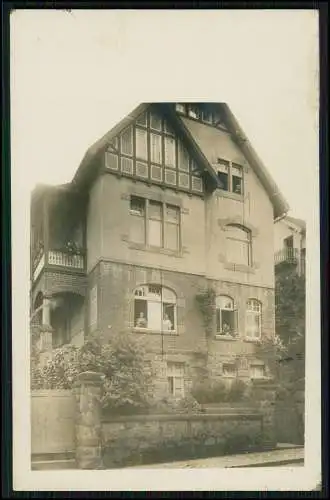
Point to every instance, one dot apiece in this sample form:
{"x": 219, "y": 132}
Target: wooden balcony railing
{"x": 287, "y": 255}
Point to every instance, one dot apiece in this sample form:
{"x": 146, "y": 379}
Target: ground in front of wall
{"x": 285, "y": 455}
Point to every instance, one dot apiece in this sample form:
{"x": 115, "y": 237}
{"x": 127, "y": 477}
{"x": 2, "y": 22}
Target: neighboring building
{"x": 290, "y": 245}
{"x": 171, "y": 202}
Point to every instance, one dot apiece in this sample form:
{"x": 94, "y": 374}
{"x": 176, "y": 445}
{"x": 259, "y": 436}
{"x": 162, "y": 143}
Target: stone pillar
{"x": 88, "y": 420}
{"x": 265, "y": 394}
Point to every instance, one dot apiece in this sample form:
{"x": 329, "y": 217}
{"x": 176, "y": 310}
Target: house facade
{"x": 290, "y": 245}
{"x": 171, "y": 209}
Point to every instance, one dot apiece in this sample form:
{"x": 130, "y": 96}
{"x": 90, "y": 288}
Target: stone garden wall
{"x": 147, "y": 439}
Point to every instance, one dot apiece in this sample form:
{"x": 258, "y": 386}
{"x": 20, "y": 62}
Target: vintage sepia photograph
{"x": 171, "y": 248}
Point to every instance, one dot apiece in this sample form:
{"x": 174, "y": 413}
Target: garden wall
{"x": 147, "y": 439}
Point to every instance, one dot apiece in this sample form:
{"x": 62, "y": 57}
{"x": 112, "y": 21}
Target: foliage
{"x": 127, "y": 377}
{"x": 236, "y": 391}
{"x": 169, "y": 405}
{"x": 290, "y": 306}
{"x": 206, "y": 303}
{"x": 217, "y": 392}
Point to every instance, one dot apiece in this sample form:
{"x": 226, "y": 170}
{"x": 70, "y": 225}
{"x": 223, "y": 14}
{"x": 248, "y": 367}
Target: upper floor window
{"x": 226, "y": 316}
{"x": 155, "y": 308}
{"x": 238, "y": 243}
{"x": 253, "y": 319}
{"x": 230, "y": 176}
{"x": 150, "y": 150}
{"x": 154, "y": 223}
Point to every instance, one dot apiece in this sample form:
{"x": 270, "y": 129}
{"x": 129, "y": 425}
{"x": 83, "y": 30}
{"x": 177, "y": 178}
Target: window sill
{"x": 239, "y": 267}
{"x": 226, "y": 337}
{"x": 164, "y": 251}
{"x": 252, "y": 339}
{"x": 229, "y": 376}
{"x": 222, "y": 193}
{"x": 154, "y": 332}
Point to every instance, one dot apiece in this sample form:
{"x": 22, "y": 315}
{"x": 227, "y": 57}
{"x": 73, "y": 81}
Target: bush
{"x": 127, "y": 381}
{"x": 209, "y": 392}
{"x": 168, "y": 404}
{"x": 237, "y": 391}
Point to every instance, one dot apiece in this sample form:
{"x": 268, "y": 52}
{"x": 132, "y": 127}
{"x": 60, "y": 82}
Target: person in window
{"x": 167, "y": 323}
{"x": 226, "y": 330}
{"x": 141, "y": 321}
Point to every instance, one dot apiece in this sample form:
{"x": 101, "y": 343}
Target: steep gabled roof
{"x": 89, "y": 166}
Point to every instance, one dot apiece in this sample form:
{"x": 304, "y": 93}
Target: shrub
{"x": 237, "y": 391}
{"x": 127, "y": 381}
{"x": 209, "y": 392}
{"x": 169, "y": 404}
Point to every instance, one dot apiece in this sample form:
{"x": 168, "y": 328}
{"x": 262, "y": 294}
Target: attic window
{"x": 207, "y": 116}
{"x": 223, "y": 176}
{"x": 230, "y": 176}
{"x": 193, "y": 112}
{"x": 180, "y": 108}
{"x": 237, "y": 179}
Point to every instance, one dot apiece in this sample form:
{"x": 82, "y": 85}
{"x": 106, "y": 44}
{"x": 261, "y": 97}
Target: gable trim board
{"x": 89, "y": 166}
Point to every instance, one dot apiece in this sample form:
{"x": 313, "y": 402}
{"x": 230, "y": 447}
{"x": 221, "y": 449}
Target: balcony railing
{"x": 287, "y": 255}
{"x": 65, "y": 259}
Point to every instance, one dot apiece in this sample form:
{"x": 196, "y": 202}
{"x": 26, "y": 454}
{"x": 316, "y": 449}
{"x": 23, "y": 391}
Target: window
{"x": 229, "y": 370}
{"x": 223, "y": 176}
{"x": 154, "y": 223}
{"x": 237, "y": 179}
{"x": 137, "y": 227}
{"x": 253, "y": 319}
{"x": 257, "y": 371}
{"x": 175, "y": 379}
{"x": 127, "y": 142}
{"x": 169, "y": 151}
{"x": 156, "y": 148}
{"x": 238, "y": 242}
{"x": 155, "y": 308}
{"x": 226, "y": 316}
{"x": 180, "y": 108}
{"x": 194, "y": 111}
{"x": 150, "y": 151}
{"x": 141, "y": 144}
{"x": 207, "y": 116}
{"x": 172, "y": 225}
{"x": 230, "y": 176}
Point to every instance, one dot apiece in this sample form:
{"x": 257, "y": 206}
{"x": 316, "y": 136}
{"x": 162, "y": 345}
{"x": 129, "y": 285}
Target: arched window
{"x": 253, "y": 319}
{"x": 155, "y": 308}
{"x": 226, "y": 316}
{"x": 238, "y": 244}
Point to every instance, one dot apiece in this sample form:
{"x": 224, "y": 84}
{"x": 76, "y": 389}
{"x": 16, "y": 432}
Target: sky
{"x": 75, "y": 74}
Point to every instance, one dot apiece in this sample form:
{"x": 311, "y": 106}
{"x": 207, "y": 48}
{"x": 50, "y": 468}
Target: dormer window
{"x": 207, "y": 116}
{"x": 194, "y": 112}
{"x": 180, "y": 108}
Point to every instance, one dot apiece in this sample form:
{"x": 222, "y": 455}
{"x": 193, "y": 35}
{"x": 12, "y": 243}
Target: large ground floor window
{"x": 155, "y": 308}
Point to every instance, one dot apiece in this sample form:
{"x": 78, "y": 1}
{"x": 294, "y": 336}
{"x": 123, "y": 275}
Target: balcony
{"x": 60, "y": 259}
{"x": 287, "y": 256}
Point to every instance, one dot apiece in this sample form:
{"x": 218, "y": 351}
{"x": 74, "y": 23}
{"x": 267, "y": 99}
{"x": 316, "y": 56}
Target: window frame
{"x": 164, "y": 222}
{"x": 247, "y": 241}
{"x": 230, "y": 166}
{"x": 163, "y": 301}
{"x": 252, "y": 366}
{"x": 229, "y": 375}
{"x": 254, "y": 313}
{"x": 174, "y": 376}
{"x": 232, "y": 334}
